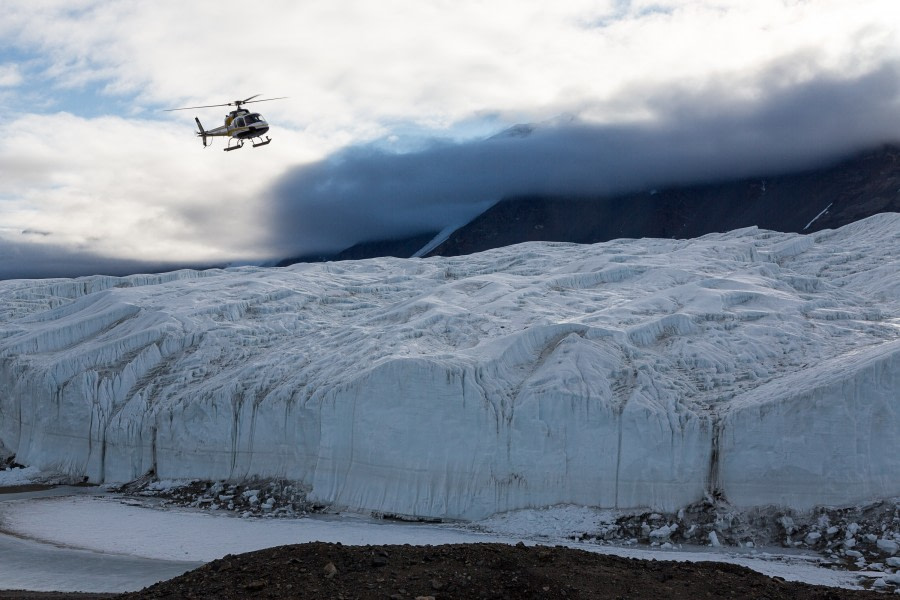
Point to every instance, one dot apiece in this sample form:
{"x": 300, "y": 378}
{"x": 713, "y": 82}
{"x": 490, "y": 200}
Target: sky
{"x": 398, "y": 114}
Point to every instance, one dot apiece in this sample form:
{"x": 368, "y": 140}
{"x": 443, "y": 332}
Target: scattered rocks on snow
{"x": 8, "y": 461}
{"x": 856, "y": 538}
{"x": 256, "y": 498}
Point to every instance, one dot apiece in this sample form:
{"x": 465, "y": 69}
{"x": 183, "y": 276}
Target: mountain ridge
{"x": 801, "y": 202}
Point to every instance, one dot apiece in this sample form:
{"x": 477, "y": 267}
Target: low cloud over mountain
{"x": 714, "y": 132}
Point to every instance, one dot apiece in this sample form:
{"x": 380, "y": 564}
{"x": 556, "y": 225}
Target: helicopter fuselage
{"x": 240, "y": 125}
{"x": 243, "y": 124}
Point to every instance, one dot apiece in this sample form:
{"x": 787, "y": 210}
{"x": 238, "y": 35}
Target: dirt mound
{"x": 467, "y": 571}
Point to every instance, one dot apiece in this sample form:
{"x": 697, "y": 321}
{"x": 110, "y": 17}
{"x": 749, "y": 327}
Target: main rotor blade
{"x": 193, "y": 107}
{"x": 235, "y": 103}
{"x": 265, "y": 99}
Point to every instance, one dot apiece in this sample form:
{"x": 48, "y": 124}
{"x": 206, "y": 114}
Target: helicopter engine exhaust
{"x": 202, "y": 132}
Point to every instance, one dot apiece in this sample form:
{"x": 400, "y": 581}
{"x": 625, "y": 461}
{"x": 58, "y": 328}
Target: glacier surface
{"x": 629, "y": 374}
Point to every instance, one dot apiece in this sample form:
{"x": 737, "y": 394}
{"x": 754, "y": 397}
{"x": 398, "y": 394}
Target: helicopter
{"x": 240, "y": 124}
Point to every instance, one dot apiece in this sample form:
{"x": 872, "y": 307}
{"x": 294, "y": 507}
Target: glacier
{"x": 760, "y": 366}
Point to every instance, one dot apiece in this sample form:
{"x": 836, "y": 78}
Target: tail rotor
{"x": 202, "y": 132}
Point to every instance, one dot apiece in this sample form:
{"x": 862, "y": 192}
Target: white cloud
{"x": 351, "y": 65}
{"x": 10, "y": 75}
{"x": 129, "y": 188}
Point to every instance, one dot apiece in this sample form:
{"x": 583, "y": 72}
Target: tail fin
{"x": 202, "y": 132}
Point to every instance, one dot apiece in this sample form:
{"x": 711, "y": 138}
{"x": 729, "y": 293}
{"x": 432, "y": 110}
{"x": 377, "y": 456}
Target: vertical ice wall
{"x": 818, "y": 437}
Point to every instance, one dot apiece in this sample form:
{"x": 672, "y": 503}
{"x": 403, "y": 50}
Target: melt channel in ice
{"x": 634, "y": 373}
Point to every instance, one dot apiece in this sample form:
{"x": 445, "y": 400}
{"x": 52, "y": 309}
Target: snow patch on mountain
{"x": 761, "y": 366}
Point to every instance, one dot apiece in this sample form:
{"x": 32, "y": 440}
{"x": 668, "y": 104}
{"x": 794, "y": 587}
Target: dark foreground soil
{"x": 464, "y": 571}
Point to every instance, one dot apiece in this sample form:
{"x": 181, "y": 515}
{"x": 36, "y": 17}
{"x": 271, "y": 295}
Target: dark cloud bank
{"x": 30, "y": 260}
{"x": 367, "y": 193}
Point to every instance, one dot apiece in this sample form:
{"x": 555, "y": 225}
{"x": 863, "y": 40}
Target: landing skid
{"x": 240, "y": 144}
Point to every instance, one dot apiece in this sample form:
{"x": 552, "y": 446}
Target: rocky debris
{"x": 8, "y": 461}
{"x": 254, "y": 498}
{"x": 861, "y": 538}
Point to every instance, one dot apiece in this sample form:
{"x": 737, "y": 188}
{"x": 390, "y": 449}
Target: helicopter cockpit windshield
{"x": 254, "y": 118}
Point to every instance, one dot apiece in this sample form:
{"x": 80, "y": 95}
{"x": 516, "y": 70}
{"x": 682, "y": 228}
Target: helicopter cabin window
{"x": 239, "y": 122}
{"x": 253, "y": 118}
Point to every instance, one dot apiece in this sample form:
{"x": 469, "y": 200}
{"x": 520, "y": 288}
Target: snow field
{"x": 112, "y": 529}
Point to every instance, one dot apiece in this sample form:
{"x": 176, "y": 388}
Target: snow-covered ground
{"x": 134, "y": 545}
{"x": 756, "y": 366}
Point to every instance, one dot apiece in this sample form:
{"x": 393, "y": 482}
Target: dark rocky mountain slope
{"x": 824, "y": 198}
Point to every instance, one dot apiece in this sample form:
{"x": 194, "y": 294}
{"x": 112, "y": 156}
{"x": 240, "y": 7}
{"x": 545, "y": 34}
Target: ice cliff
{"x": 633, "y": 373}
